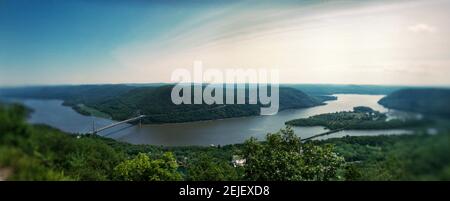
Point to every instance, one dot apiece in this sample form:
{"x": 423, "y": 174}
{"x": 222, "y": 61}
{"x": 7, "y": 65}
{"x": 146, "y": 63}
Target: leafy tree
{"x": 12, "y": 124}
{"x": 284, "y": 158}
{"x": 26, "y": 168}
{"x": 321, "y": 162}
{"x": 399, "y": 157}
{"x": 142, "y": 168}
{"x": 352, "y": 173}
{"x": 207, "y": 168}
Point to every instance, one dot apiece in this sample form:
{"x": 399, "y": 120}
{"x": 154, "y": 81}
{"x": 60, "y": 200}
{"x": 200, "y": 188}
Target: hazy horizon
{"x": 403, "y": 43}
{"x": 173, "y": 83}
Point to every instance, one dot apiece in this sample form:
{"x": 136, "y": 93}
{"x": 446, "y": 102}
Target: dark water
{"x": 227, "y": 131}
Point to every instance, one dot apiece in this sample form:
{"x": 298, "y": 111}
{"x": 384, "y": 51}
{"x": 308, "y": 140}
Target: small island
{"x": 361, "y": 118}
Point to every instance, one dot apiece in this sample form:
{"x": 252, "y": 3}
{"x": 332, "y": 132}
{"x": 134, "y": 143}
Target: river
{"x": 214, "y": 132}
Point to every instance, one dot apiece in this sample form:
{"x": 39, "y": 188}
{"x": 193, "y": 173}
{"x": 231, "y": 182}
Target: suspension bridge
{"x": 95, "y": 131}
{"x": 140, "y": 117}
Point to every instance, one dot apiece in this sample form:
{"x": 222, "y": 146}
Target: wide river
{"x": 215, "y": 132}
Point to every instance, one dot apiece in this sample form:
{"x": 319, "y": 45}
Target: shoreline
{"x": 197, "y": 121}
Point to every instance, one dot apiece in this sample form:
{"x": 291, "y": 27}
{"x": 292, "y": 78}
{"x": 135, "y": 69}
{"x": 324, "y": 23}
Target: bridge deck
{"x": 323, "y": 134}
{"x": 118, "y": 123}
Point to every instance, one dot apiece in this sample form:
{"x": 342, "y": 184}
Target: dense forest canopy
{"x": 433, "y": 101}
{"x": 36, "y": 152}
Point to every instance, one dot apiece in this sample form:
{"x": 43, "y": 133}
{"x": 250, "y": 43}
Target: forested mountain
{"x": 68, "y": 93}
{"x": 125, "y": 101}
{"x": 434, "y": 101}
{"x": 156, "y": 103}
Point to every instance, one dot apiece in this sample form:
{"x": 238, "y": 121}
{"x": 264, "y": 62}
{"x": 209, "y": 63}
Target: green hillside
{"x": 156, "y": 103}
{"x": 433, "y": 101}
{"x": 124, "y": 101}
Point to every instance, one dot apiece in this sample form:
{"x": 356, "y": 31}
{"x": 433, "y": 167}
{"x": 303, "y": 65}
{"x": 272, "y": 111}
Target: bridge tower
{"x": 93, "y": 127}
{"x": 140, "y": 119}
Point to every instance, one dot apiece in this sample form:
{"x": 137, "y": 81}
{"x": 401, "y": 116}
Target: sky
{"x": 395, "y": 42}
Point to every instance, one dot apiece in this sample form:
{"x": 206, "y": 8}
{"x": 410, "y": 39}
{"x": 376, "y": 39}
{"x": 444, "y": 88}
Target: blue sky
{"x": 62, "y": 37}
{"x": 79, "y": 42}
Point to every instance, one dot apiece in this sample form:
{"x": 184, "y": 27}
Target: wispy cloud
{"x": 422, "y": 28}
{"x": 333, "y": 42}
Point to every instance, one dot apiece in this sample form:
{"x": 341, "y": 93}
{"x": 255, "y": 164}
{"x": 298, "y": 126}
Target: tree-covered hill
{"x": 125, "y": 101}
{"x": 361, "y": 118}
{"x": 435, "y": 101}
{"x": 157, "y": 104}
{"x": 75, "y": 93}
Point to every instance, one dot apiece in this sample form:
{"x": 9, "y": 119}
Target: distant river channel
{"x": 214, "y": 132}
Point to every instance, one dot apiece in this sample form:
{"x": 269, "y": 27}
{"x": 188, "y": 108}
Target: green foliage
{"x": 85, "y": 110}
{"x": 424, "y": 100}
{"x": 41, "y": 153}
{"x": 12, "y": 124}
{"x": 363, "y": 109}
{"x": 121, "y": 102}
{"x": 26, "y": 168}
{"x": 142, "y": 168}
{"x": 207, "y": 168}
{"x": 163, "y": 110}
{"x": 363, "y": 118}
{"x": 352, "y": 173}
{"x": 47, "y": 149}
{"x": 405, "y": 157}
{"x": 283, "y": 158}
{"x": 83, "y": 158}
